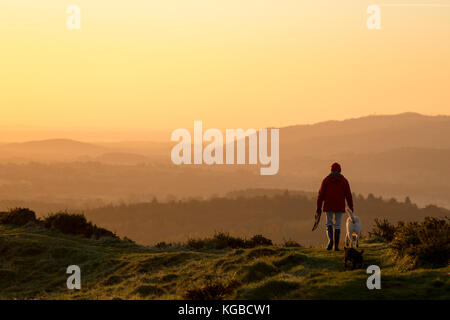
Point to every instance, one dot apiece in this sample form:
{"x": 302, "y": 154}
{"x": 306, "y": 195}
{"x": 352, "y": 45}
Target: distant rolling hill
{"x": 366, "y": 135}
{"x": 370, "y": 134}
{"x": 392, "y": 155}
{"x": 53, "y": 149}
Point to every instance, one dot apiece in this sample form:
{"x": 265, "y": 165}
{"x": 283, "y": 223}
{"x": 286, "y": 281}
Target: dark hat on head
{"x": 336, "y": 167}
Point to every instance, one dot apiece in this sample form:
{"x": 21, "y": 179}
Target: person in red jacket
{"x": 333, "y": 193}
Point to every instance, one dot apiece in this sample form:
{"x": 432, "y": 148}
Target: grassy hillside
{"x": 33, "y": 262}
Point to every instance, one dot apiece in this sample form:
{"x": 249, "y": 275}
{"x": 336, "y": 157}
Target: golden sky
{"x": 162, "y": 64}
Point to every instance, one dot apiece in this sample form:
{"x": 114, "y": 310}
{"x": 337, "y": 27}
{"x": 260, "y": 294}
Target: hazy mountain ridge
{"x": 396, "y": 155}
{"x": 361, "y": 135}
{"x": 366, "y": 135}
{"x": 50, "y": 150}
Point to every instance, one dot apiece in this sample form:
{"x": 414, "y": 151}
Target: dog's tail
{"x": 350, "y": 213}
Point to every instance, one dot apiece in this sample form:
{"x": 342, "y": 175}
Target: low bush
{"x": 163, "y": 245}
{"x": 423, "y": 244}
{"x": 383, "y": 230}
{"x": 75, "y": 224}
{"x": 17, "y": 217}
{"x": 196, "y": 243}
{"x": 259, "y": 240}
{"x": 291, "y": 244}
{"x": 223, "y": 240}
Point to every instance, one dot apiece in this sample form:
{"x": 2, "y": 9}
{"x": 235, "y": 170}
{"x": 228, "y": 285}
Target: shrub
{"x": 126, "y": 239}
{"x": 223, "y": 240}
{"x": 259, "y": 240}
{"x": 383, "y": 230}
{"x": 163, "y": 245}
{"x": 291, "y": 244}
{"x": 75, "y": 224}
{"x": 17, "y": 216}
{"x": 196, "y": 243}
{"x": 423, "y": 244}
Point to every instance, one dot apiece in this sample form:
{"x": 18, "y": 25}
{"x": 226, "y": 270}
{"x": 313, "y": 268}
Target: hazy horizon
{"x": 25, "y": 133}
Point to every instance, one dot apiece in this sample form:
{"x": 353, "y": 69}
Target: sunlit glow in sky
{"x": 161, "y": 65}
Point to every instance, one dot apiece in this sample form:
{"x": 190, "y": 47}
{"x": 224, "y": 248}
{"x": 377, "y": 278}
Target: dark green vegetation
{"x": 383, "y": 230}
{"x": 17, "y": 217}
{"x": 33, "y": 262}
{"x": 280, "y": 216}
{"x": 223, "y": 240}
{"x": 75, "y": 224}
{"x": 416, "y": 244}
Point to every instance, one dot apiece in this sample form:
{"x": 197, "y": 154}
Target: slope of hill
{"x": 367, "y": 135}
{"x": 54, "y": 144}
{"x": 50, "y": 150}
{"x": 34, "y": 263}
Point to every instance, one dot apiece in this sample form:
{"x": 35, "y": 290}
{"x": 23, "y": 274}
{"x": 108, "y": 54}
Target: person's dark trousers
{"x": 330, "y": 237}
{"x": 337, "y": 233}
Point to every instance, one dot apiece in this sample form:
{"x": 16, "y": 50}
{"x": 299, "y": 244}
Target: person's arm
{"x": 348, "y": 195}
{"x": 321, "y": 196}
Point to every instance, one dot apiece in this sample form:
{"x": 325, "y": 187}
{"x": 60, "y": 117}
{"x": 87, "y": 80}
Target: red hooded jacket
{"x": 333, "y": 192}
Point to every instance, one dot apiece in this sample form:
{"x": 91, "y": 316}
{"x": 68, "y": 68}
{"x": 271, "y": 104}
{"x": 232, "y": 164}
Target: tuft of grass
{"x": 163, "y": 245}
{"x": 261, "y": 252}
{"x": 166, "y": 260}
{"x": 148, "y": 290}
{"x": 169, "y": 277}
{"x": 113, "y": 280}
{"x": 290, "y": 261}
{"x": 258, "y": 271}
{"x": 271, "y": 289}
